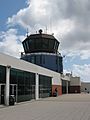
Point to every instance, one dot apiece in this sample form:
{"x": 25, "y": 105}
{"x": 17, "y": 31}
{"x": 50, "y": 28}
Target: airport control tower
{"x": 42, "y": 49}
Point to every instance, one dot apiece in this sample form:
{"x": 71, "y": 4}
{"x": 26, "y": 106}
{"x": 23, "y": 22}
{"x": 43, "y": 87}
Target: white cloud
{"x": 68, "y": 19}
{"x": 82, "y": 54}
{"x": 83, "y": 71}
{"x": 44, "y": 13}
{"x": 10, "y": 42}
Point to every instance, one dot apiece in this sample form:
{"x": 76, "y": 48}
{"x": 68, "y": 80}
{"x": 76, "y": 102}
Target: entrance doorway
{"x": 13, "y": 92}
{"x": 33, "y": 92}
{"x": 2, "y": 93}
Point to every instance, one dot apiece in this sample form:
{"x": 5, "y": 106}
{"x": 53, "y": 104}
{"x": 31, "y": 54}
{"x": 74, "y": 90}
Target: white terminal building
{"x": 31, "y": 77}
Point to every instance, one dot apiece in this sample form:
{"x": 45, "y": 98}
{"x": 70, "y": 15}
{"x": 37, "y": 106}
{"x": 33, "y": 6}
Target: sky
{"x": 69, "y": 20}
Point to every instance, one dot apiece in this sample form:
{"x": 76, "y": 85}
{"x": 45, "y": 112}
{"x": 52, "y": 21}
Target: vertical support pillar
{"x": 67, "y": 87}
{"x": 37, "y": 87}
{"x": 7, "y": 89}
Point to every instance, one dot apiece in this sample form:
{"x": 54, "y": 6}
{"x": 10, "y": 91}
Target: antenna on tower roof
{"x": 27, "y": 32}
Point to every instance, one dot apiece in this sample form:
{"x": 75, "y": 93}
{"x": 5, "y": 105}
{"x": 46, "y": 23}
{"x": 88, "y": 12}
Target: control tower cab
{"x": 42, "y": 49}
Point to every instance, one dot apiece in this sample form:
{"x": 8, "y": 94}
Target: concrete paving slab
{"x": 65, "y": 107}
{"x": 71, "y": 98}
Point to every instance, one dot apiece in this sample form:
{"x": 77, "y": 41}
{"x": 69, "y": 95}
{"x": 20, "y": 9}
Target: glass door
{"x": 2, "y": 93}
{"x": 13, "y": 91}
{"x": 33, "y": 91}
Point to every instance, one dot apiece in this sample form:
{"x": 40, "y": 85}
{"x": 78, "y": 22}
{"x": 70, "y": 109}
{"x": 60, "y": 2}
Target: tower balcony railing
{"x": 39, "y": 53}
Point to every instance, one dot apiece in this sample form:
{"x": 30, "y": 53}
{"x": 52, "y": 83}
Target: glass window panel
{"x": 33, "y": 59}
{"x": 45, "y": 43}
{"x": 27, "y": 45}
{"x": 2, "y": 74}
{"x": 20, "y": 77}
{"x": 27, "y": 78}
{"x": 43, "y": 59}
{"x": 51, "y": 44}
{"x": 13, "y": 77}
{"x": 25, "y": 84}
{"x": 24, "y": 45}
{"x": 45, "y": 86}
{"x": 21, "y": 90}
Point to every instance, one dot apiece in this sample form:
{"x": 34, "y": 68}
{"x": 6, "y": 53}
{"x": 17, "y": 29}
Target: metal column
{"x": 7, "y": 86}
{"x": 67, "y": 87}
{"x": 37, "y": 87}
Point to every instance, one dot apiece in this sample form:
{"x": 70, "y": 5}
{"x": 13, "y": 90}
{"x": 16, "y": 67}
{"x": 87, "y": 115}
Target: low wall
{"x": 59, "y": 89}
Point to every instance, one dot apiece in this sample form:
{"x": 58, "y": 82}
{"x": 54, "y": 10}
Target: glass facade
{"x": 45, "y": 86}
{"x": 64, "y": 86}
{"x": 40, "y": 44}
{"x": 2, "y": 74}
{"x": 25, "y": 84}
{"x": 22, "y": 85}
{"x": 52, "y": 62}
{"x": 2, "y": 83}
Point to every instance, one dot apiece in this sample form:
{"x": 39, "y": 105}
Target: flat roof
{"x": 24, "y": 65}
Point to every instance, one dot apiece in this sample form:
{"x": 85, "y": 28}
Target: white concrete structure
{"x": 75, "y": 81}
{"x": 63, "y": 83}
{"x": 7, "y": 87}
{"x": 26, "y": 66}
{"x": 65, "y": 77}
{"x": 75, "y": 84}
{"x": 37, "y": 87}
{"x": 11, "y": 62}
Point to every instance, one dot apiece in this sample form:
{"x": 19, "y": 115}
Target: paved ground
{"x": 65, "y": 107}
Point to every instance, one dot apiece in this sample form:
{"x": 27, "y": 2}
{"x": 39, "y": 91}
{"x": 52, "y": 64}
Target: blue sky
{"x": 8, "y": 8}
{"x": 68, "y": 20}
